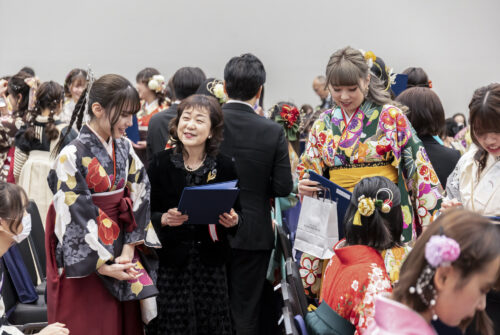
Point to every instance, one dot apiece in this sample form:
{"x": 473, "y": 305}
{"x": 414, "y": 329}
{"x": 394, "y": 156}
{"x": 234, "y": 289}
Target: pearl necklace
{"x": 191, "y": 169}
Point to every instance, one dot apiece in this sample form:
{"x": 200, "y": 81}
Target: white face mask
{"x": 26, "y": 222}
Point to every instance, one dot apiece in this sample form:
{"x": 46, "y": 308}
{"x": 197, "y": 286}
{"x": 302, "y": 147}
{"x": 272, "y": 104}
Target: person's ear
{"x": 97, "y": 110}
{"x": 19, "y": 98}
{"x": 442, "y": 277}
{"x": 225, "y": 91}
{"x": 259, "y": 92}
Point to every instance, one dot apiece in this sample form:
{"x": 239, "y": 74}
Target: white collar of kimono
{"x": 107, "y": 145}
{"x": 239, "y": 102}
{"x": 152, "y": 106}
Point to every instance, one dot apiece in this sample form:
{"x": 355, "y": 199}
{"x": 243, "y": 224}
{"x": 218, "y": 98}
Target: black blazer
{"x": 167, "y": 183}
{"x": 158, "y": 130}
{"x": 443, "y": 159}
{"x": 260, "y": 150}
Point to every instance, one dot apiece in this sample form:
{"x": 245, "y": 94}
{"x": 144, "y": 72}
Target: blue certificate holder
{"x": 338, "y": 194}
{"x": 203, "y": 204}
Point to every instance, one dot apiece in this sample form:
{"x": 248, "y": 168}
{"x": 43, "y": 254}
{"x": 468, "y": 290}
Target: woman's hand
{"x": 449, "y": 204}
{"x": 173, "y": 218}
{"x": 3, "y": 87}
{"x": 139, "y": 145}
{"x": 54, "y": 329}
{"x": 127, "y": 254}
{"x": 229, "y": 220}
{"x": 307, "y": 186}
{"x": 119, "y": 271}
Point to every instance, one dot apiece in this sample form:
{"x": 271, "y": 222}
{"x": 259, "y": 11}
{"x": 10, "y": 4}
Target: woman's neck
{"x": 6, "y": 242}
{"x": 95, "y": 127}
{"x": 194, "y": 154}
{"x": 150, "y": 98}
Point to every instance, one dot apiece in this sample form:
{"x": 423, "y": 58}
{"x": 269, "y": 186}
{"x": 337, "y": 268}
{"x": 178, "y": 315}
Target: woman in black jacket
{"x": 192, "y": 276}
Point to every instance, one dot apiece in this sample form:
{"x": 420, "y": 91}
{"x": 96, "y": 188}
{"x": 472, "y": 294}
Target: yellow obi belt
{"x": 348, "y": 176}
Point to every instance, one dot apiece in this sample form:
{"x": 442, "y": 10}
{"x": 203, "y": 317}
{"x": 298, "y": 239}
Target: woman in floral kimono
{"x": 356, "y": 273}
{"x": 15, "y": 226}
{"x": 365, "y": 135}
{"x": 98, "y": 232}
{"x": 152, "y": 90}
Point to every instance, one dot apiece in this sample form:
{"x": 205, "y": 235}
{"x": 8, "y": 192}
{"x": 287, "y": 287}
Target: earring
{"x": 209, "y": 136}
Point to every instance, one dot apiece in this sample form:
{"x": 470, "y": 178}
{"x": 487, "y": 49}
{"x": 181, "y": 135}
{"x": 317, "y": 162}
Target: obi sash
{"x": 348, "y": 176}
{"x": 118, "y": 207}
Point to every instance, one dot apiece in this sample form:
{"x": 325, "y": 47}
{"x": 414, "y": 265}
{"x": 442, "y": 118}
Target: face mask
{"x": 26, "y": 222}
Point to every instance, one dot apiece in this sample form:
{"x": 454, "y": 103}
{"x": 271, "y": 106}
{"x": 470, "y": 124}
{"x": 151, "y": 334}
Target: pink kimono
{"x": 394, "y": 318}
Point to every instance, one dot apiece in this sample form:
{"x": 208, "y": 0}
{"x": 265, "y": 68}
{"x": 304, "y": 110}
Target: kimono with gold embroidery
{"x": 374, "y": 135}
{"x": 83, "y": 236}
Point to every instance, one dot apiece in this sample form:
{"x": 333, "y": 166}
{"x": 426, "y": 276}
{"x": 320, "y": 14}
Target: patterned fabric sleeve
{"x": 311, "y": 158}
{"x": 85, "y": 233}
{"x": 410, "y": 157}
{"x": 139, "y": 186}
{"x": 20, "y": 158}
{"x": 453, "y": 184}
{"x": 7, "y": 132}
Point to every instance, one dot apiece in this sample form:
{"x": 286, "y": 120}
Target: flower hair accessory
{"x": 288, "y": 117}
{"x": 157, "y": 83}
{"x": 369, "y": 57}
{"x": 367, "y": 205}
{"x": 216, "y": 87}
{"x": 33, "y": 83}
{"x": 440, "y": 250}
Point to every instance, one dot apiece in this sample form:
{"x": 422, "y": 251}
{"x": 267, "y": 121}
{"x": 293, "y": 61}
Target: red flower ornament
{"x": 108, "y": 230}
{"x": 97, "y": 178}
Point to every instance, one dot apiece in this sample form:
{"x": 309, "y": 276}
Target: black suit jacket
{"x": 167, "y": 184}
{"x": 260, "y": 150}
{"x": 158, "y": 130}
{"x": 443, "y": 159}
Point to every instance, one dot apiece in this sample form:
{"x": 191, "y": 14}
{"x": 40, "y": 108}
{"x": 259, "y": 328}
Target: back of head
{"x": 478, "y": 240}
{"x": 416, "y": 77}
{"x": 213, "y": 87}
{"x": 382, "y": 228}
{"x": 17, "y": 85}
{"x": 347, "y": 67}
{"x": 28, "y": 70}
{"x": 243, "y": 76}
{"x": 425, "y": 111}
{"x": 186, "y": 81}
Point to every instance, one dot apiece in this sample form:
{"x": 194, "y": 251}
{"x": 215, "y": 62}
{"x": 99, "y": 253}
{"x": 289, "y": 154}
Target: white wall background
{"x": 456, "y": 41}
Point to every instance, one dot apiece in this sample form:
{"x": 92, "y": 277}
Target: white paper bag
{"x": 317, "y": 230}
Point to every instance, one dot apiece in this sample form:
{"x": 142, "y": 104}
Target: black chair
{"x": 295, "y": 282}
{"x": 289, "y": 322}
{"x": 284, "y": 242}
{"x": 32, "y": 250}
{"x": 290, "y": 298}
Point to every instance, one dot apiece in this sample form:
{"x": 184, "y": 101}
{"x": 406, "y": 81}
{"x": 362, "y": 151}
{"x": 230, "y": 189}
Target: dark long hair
{"x": 48, "y": 96}
{"x": 73, "y": 75}
{"x": 114, "y": 93}
{"x": 144, "y": 76}
{"x": 484, "y": 117}
{"x": 16, "y": 86}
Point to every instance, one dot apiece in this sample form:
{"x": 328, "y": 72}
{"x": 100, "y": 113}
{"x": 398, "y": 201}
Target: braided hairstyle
{"x": 144, "y": 76}
{"x": 49, "y": 96}
{"x": 114, "y": 93}
{"x": 16, "y": 86}
{"x": 72, "y": 77}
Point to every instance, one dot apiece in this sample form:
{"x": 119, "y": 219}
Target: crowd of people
{"x": 106, "y": 162}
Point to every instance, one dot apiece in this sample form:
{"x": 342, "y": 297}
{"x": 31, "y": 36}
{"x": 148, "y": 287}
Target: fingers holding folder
{"x": 173, "y": 218}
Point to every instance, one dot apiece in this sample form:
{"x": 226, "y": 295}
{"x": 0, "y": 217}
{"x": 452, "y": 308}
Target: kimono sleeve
{"x": 7, "y": 132}
{"x": 411, "y": 158}
{"x": 311, "y": 158}
{"x": 139, "y": 186}
{"x": 84, "y": 232}
{"x": 453, "y": 183}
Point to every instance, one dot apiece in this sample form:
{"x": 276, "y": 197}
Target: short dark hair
{"x": 416, "y": 77}
{"x": 17, "y": 85}
{"x": 216, "y": 122}
{"x": 28, "y": 70}
{"x": 425, "y": 111}
{"x": 380, "y": 230}
{"x": 186, "y": 81}
{"x": 244, "y": 75}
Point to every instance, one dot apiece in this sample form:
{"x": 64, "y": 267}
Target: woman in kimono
{"x": 34, "y": 142}
{"x": 152, "y": 90}
{"x": 357, "y": 272}
{"x": 475, "y": 182}
{"x": 98, "y": 233}
{"x": 192, "y": 277}
{"x": 453, "y": 265}
{"x": 364, "y": 135}
{"x": 15, "y": 226}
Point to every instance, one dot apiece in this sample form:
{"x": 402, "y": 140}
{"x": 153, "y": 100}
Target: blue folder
{"x": 203, "y": 204}
{"x": 400, "y": 85}
{"x": 133, "y": 131}
{"x": 338, "y": 194}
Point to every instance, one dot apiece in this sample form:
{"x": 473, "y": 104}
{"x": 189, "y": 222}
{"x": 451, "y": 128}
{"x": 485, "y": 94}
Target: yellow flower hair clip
{"x": 366, "y": 206}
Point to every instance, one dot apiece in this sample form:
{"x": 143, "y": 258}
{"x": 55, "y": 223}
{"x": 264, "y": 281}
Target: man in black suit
{"x": 185, "y": 82}
{"x": 260, "y": 150}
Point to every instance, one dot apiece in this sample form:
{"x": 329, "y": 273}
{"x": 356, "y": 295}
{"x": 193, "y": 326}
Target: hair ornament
{"x": 157, "y": 83}
{"x": 216, "y": 87}
{"x": 430, "y": 83}
{"x": 33, "y": 83}
{"x": 369, "y": 56}
{"x": 287, "y": 117}
{"x": 90, "y": 82}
